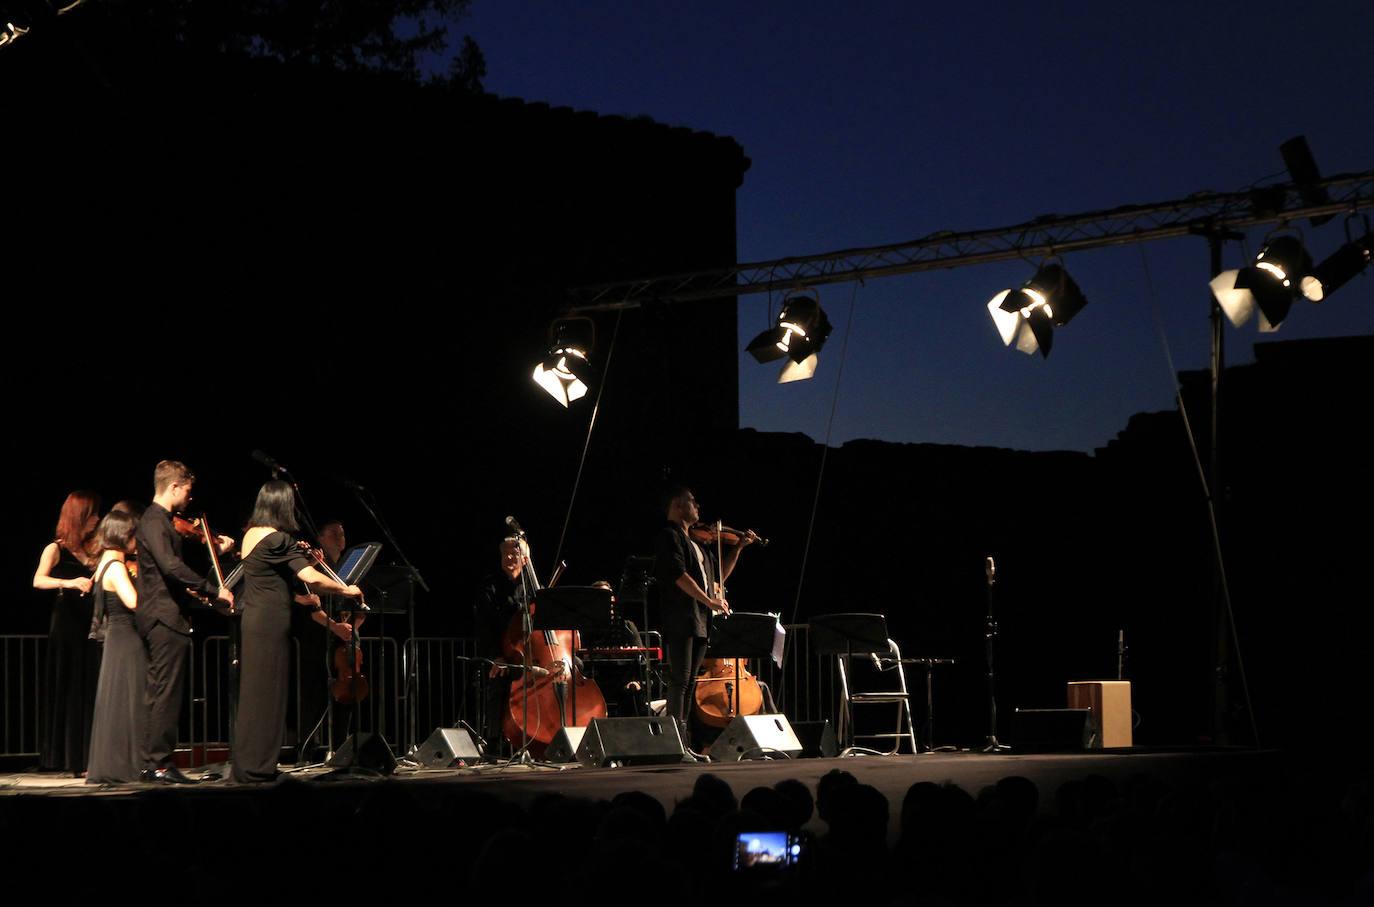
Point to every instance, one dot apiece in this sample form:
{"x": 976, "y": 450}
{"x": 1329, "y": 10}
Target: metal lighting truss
{"x": 1200, "y": 213}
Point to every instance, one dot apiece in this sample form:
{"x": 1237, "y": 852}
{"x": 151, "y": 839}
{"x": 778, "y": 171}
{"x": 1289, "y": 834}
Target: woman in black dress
{"x": 71, "y": 663}
{"x": 272, "y": 561}
{"x": 121, "y": 709}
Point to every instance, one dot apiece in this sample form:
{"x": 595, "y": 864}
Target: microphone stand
{"x": 990, "y": 639}
{"x": 412, "y": 681}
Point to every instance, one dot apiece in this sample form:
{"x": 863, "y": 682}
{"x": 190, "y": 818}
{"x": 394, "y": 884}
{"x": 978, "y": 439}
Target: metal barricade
{"x": 21, "y": 682}
{"x": 442, "y": 685}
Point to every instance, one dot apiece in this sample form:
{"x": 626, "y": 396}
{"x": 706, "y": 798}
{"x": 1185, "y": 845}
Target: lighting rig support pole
{"x": 1221, "y": 651}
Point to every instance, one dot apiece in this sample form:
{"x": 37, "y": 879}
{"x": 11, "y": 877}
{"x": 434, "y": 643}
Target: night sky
{"x": 880, "y": 122}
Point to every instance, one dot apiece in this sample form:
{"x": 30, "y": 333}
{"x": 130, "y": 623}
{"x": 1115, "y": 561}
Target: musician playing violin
{"x": 317, "y": 649}
{"x": 501, "y": 596}
{"x": 690, "y": 586}
{"x": 272, "y": 561}
{"x": 165, "y": 584}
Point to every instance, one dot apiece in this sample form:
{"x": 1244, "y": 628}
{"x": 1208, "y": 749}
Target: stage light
{"x": 1026, "y": 317}
{"x": 1341, "y": 266}
{"x": 1268, "y": 286}
{"x": 566, "y": 372}
{"x": 800, "y": 332}
{"x": 10, "y": 32}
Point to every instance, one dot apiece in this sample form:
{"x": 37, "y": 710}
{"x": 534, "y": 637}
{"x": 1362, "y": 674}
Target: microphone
{"x": 265, "y": 460}
{"x": 514, "y": 525}
{"x": 990, "y": 568}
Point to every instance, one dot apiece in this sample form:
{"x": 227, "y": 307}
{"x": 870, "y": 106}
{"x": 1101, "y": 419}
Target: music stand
{"x": 583, "y": 609}
{"x": 635, "y": 580}
{"x": 742, "y": 634}
{"x": 357, "y": 561}
{"x": 355, "y": 564}
{"x": 849, "y": 634}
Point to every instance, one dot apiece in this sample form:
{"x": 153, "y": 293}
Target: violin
{"x": 715, "y": 533}
{"x": 199, "y": 528}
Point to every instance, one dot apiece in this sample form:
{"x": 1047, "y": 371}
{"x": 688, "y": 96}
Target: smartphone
{"x": 768, "y": 850}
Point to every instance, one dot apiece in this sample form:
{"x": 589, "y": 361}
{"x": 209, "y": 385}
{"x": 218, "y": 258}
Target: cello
{"x": 720, "y": 693}
{"x": 550, "y": 692}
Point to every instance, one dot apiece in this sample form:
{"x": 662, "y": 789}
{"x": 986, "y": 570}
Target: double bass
{"x": 720, "y": 695}
{"x": 559, "y": 694}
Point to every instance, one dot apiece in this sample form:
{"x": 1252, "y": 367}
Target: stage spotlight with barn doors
{"x": 798, "y": 335}
{"x": 1269, "y": 286}
{"x": 1026, "y": 317}
{"x": 1341, "y": 266}
{"x": 566, "y": 372}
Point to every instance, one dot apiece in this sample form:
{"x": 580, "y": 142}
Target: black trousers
{"x": 168, "y": 652}
{"x": 685, "y": 654}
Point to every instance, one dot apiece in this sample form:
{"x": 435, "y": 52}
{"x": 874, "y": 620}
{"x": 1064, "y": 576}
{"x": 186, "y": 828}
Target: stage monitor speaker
{"x": 817, "y": 739}
{"x": 448, "y": 747}
{"x": 372, "y": 752}
{"x": 563, "y": 747}
{"x": 756, "y": 736}
{"x": 1050, "y": 730}
{"x": 631, "y": 741}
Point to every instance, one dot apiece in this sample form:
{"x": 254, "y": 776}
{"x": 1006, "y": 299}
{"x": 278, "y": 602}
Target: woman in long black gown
{"x": 272, "y": 561}
{"x": 121, "y": 710}
{"x": 71, "y": 663}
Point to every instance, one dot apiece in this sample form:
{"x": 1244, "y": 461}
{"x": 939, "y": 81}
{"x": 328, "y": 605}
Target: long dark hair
{"x": 117, "y": 530}
{"x": 275, "y": 507}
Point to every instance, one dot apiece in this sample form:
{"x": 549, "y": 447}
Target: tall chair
{"x": 846, "y": 636}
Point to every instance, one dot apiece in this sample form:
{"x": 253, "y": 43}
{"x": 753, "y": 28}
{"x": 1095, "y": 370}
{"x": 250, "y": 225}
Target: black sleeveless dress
{"x": 265, "y": 601}
{"x": 121, "y": 708}
{"x": 71, "y": 667}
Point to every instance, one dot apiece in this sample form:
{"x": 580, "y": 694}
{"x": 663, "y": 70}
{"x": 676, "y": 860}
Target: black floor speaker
{"x": 817, "y": 739}
{"x": 448, "y": 747}
{"x": 372, "y": 752}
{"x": 563, "y": 747}
{"x": 756, "y": 737}
{"x": 631, "y": 741}
{"x": 1050, "y": 730}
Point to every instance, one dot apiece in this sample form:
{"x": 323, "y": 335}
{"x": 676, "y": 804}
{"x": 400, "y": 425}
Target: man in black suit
{"x": 164, "y": 584}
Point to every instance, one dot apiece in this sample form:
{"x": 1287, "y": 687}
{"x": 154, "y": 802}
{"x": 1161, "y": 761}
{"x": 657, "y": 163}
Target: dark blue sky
{"x": 880, "y": 122}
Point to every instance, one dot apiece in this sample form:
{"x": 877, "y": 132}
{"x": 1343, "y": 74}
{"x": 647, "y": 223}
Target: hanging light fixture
{"x": 798, "y": 335}
{"x": 1268, "y": 286}
{"x": 1341, "y": 266}
{"x": 1026, "y": 317}
{"x": 566, "y": 372}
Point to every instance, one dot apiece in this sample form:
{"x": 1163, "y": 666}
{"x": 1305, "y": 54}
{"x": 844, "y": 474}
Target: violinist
{"x": 164, "y": 586}
{"x": 272, "y": 559}
{"x": 501, "y": 596}
{"x": 690, "y": 586}
{"x": 317, "y": 649}
{"x": 71, "y": 662}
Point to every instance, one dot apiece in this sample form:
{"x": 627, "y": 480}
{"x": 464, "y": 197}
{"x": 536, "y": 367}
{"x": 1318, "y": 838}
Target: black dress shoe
{"x": 154, "y": 776}
{"x": 174, "y": 774}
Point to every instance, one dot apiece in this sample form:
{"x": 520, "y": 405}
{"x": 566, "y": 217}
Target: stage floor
{"x": 892, "y": 775}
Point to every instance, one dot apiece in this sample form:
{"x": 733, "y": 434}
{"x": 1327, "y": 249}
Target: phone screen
{"x": 767, "y": 849}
